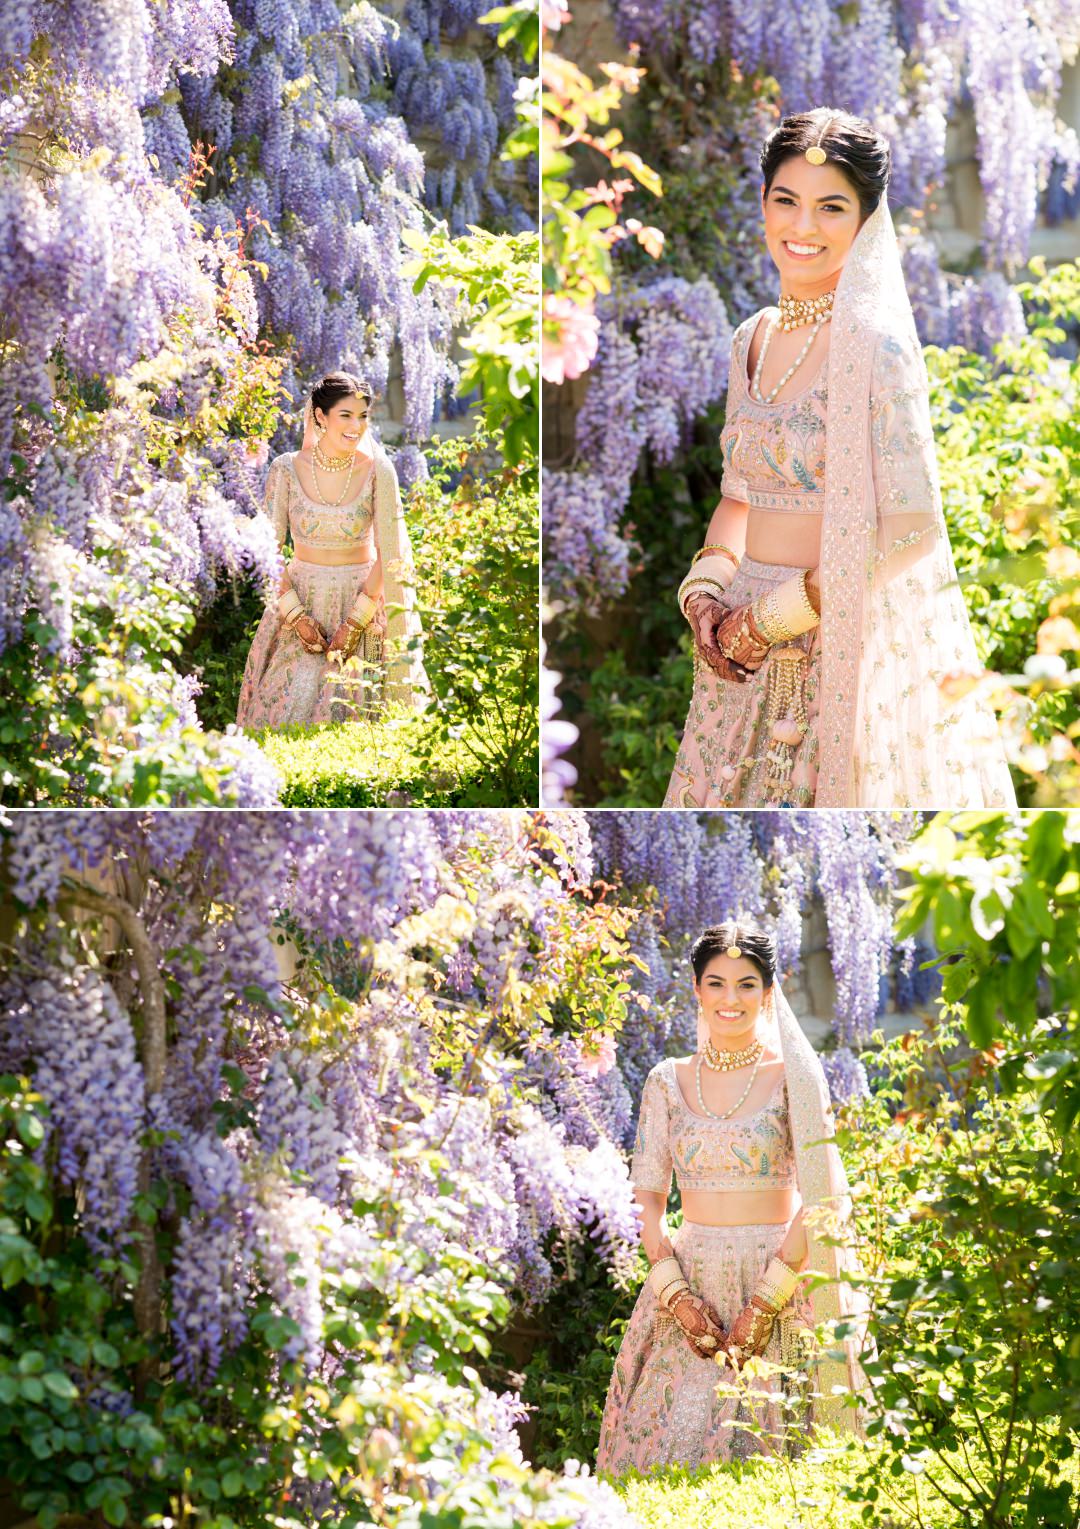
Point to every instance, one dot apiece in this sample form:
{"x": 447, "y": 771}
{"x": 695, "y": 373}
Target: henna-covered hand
{"x": 706, "y": 615}
{"x": 751, "y": 1331}
{"x": 748, "y": 651}
{"x": 345, "y": 640}
{"x": 310, "y": 634}
{"x": 701, "y": 1325}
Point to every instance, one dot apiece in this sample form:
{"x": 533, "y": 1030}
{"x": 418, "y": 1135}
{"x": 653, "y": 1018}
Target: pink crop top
{"x": 332, "y": 529}
{"x": 774, "y": 453}
{"x": 749, "y": 1152}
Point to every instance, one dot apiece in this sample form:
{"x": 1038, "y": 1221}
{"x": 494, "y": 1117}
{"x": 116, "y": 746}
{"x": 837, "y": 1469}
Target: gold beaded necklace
{"x": 337, "y": 465}
{"x": 728, "y": 1061}
{"x": 755, "y": 385}
{"x": 797, "y": 311}
{"x": 726, "y": 1114}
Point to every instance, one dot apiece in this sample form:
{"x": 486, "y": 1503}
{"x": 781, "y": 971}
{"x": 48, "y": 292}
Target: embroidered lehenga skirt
{"x": 284, "y": 684}
{"x": 730, "y": 755}
{"x": 662, "y": 1405}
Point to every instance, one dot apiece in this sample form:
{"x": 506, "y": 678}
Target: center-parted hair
{"x": 338, "y": 385}
{"x": 852, "y": 144}
{"x": 753, "y": 943}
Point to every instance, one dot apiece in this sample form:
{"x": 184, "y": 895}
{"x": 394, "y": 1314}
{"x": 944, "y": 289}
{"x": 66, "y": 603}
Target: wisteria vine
{"x": 204, "y": 207}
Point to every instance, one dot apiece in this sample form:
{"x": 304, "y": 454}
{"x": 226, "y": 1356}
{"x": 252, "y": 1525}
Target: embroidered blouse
{"x": 750, "y": 1152}
{"x": 340, "y": 528}
{"x": 774, "y": 453}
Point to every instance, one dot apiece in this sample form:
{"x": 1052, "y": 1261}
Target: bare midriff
{"x": 783, "y": 536}
{"x": 335, "y": 557}
{"x": 738, "y": 1207}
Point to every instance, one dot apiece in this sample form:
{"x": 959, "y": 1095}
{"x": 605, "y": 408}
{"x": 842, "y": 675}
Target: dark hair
{"x": 852, "y": 144}
{"x": 753, "y": 943}
{"x": 334, "y": 387}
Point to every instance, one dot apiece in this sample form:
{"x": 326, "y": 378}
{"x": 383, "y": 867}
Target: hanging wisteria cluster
{"x": 904, "y": 66}
{"x": 698, "y": 869}
{"x": 203, "y": 207}
{"x": 661, "y": 361}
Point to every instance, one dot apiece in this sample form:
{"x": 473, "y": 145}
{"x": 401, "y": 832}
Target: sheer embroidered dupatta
{"x": 827, "y": 1220}
{"x": 895, "y": 731}
{"x": 406, "y": 678}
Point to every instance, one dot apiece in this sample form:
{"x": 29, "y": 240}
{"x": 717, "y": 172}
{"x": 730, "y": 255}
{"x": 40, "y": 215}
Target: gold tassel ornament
{"x": 785, "y": 716}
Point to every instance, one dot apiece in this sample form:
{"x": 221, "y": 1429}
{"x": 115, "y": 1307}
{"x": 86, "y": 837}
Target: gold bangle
{"x": 816, "y": 615}
{"x": 715, "y": 547}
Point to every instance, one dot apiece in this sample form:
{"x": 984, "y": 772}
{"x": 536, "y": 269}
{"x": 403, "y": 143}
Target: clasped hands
{"x": 347, "y": 636}
{"x": 752, "y": 1328}
{"x": 728, "y": 640}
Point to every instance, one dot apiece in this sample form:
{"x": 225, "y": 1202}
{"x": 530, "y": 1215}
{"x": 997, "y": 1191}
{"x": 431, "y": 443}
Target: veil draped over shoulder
{"x": 900, "y": 723}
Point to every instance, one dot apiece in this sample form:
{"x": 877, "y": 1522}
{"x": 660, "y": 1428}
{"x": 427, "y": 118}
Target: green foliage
{"x": 395, "y": 761}
{"x": 813, "y": 1492}
{"x": 495, "y": 278}
{"x": 571, "y": 1344}
{"x": 476, "y": 543}
{"x": 970, "y": 1203}
{"x": 580, "y": 223}
{"x": 1009, "y": 451}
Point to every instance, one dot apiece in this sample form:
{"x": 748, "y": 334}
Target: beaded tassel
{"x": 785, "y": 715}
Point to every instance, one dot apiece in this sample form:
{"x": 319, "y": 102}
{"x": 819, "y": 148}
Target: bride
{"x": 834, "y": 663}
{"x": 347, "y": 590}
{"x": 765, "y": 1251}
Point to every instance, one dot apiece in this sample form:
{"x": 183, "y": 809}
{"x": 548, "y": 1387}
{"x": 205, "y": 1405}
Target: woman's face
{"x": 811, "y": 218}
{"x": 731, "y": 992}
{"x": 345, "y": 423}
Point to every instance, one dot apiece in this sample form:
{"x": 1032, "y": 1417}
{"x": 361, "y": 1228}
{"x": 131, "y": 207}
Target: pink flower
{"x": 600, "y": 1057}
{"x": 567, "y": 351}
{"x": 553, "y": 13}
{"x": 255, "y": 456}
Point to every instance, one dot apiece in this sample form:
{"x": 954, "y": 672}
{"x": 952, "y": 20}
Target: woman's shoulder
{"x": 744, "y": 331}
{"x": 662, "y": 1073}
{"x": 283, "y": 459}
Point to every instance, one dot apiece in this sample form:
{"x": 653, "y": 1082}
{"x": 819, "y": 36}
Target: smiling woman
{"x": 347, "y": 590}
{"x": 834, "y": 663}
{"x": 746, "y": 1125}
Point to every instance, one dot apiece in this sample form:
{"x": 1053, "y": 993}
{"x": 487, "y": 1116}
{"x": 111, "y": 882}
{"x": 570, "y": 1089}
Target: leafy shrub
{"x": 397, "y": 760}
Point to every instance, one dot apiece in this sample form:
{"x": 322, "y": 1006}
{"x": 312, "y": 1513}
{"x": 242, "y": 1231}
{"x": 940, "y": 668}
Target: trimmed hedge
{"x": 386, "y": 763}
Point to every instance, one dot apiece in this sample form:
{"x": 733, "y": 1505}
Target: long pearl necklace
{"x": 705, "y": 1110}
{"x": 755, "y": 385}
{"x": 337, "y": 503}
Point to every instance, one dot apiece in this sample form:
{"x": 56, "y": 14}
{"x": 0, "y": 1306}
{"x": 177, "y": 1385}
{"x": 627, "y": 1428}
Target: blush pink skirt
{"x": 722, "y": 757}
{"x": 662, "y": 1407}
{"x": 284, "y": 684}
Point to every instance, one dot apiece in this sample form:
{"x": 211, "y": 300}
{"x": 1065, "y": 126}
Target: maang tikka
{"x": 815, "y": 153}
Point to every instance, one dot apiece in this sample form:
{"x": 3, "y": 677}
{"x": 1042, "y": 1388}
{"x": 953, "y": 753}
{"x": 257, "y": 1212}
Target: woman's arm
{"x": 728, "y": 525}
{"x": 654, "y": 1239}
{"x": 793, "y": 1249}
